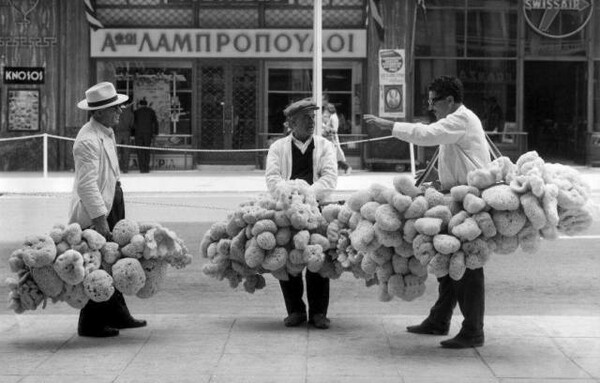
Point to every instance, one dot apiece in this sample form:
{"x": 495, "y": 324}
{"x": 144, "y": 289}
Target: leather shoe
{"x": 427, "y": 328}
{"x": 461, "y": 341}
{"x": 131, "y": 322}
{"x": 294, "y": 319}
{"x": 98, "y": 332}
{"x": 320, "y": 321}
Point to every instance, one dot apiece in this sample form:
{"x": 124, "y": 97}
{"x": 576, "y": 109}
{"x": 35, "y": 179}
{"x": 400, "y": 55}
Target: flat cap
{"x": 300, "y": 106}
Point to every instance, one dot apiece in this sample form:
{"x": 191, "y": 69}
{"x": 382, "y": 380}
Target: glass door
{"x": 228, "y": 111}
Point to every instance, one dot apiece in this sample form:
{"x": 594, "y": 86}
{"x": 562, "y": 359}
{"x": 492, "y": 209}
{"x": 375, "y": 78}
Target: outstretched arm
{"x": 379, "y": 122}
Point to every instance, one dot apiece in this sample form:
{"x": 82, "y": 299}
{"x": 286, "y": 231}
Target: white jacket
{"x": 458, "y": 133}
{"x": 279, "y": 166}
{"x": 96, "y": 173}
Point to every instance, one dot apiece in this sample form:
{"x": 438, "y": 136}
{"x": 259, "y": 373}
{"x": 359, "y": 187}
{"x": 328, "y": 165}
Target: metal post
{"x": 317, "y": 63}
{"x": 45, "y": 154}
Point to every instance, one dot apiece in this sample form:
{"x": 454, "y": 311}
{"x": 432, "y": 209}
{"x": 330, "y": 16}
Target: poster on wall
{"x": 392, "y": 83}
{"x": 23, "y": 110}
{"x": 156, "y": 90}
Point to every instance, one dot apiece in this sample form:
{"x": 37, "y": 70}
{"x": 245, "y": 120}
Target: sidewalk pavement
{"x": 222, "y": 335}
{"x": 194, "y": 181}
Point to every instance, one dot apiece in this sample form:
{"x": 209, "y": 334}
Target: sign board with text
{"x": 392, "y": 83}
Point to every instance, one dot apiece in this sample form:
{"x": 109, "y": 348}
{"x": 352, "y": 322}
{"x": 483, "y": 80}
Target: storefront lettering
{"x": 301, "y": 40}
{"x": 238, "y": 46}
{"x": 335, "y": 43}
{"x": 199, "y": 38}
{"x": 23, "y": 75}
{"x": 287, "y": 40}
{"x": 224, "y": 43}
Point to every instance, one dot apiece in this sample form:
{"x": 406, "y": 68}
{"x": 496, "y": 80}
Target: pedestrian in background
{"x": 331, "y": 123}
{"x": 146, "y": 128}
{"x": 97, "y": 199}
{"x": 123, "y": 134}
{"x": 303, "y": 155}
{"x": 463, "y": 147}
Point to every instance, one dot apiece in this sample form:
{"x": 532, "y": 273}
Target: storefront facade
{"x": 219, "y": 72}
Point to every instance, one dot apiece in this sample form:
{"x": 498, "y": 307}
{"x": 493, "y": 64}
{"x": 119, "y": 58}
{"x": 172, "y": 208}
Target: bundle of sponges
{"x": 401, "y": 233}
{"x": 280, "y": 234}
{"x": 74, "y": 265}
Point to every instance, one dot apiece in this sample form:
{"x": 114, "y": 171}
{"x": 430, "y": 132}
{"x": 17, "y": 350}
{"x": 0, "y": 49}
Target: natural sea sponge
{"x": 501, "y": 197}
{"x": 75, "y": 296}
{"x": 509, "y": 223}
{"x": 98, "y": 286}
{"x": 128, "y": 275}
{"x": 155, "y": 271}
{"x": 38, "y": 251}
{"x": 388, "y": 218}
{"x": 69, "y": 267}
{"x": 47, "y": 280}
{"x": 275, "y": 259}
{"x": 124, "y": 230}
{"x": 94, "y": 239}
{"x": 446, "y": 244}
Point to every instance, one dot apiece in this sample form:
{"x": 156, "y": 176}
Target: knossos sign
{"x": 222, "y": 43}
{"x": 557, "y": 18}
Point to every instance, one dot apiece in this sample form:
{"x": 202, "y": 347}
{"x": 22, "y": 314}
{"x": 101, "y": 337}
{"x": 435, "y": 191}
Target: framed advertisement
{"x": 23, "y": 110}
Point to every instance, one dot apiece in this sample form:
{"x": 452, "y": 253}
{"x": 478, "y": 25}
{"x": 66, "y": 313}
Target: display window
{"x": 165, "y": 87}
{"x": 340, "y": 84}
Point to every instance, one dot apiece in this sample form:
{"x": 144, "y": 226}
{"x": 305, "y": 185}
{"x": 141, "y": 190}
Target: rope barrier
{"x": 190, "y": 150}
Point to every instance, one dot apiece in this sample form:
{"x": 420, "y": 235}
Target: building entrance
{"x": 555, "y": 101}
{"x": 228, "y": 112}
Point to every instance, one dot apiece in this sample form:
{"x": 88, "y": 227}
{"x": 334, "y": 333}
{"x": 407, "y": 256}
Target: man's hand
{"x": 381, "y": 123}
{"x": 100, "y": 224}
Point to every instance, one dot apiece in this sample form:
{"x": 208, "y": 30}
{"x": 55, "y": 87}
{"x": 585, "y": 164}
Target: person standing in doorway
{"x": 123, "y": 134}
{"x": 303, "y": 155}
{"x": 463, "y": 148}
{"x": 146, "y": 128}
{"x": 97, "y": 199}
{"x": 331, "y": 125}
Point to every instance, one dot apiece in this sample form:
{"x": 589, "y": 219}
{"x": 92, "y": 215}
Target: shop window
{"x": 596, "y": 107}
{"x": 467, "y": 28}
{"x": 287, "y": 85}
{"x": 489, "y": 88}
{"x": 166, "y": 89}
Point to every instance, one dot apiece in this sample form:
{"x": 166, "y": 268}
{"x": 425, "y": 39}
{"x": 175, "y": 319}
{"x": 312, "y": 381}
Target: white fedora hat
{"x": 100, "y": 96}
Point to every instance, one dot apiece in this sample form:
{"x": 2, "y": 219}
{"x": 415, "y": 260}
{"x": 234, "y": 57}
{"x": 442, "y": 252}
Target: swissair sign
{"x": 557, "y": 18}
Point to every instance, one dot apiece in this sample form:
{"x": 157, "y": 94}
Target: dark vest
{"x": 302, "y": 164}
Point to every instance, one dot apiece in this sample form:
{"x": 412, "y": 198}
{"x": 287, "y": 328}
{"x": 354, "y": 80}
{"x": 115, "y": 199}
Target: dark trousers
{"x": 469, "y": 293}
{"x": 317, "y": 293}
{"x": 114, "y": 311}
{"x": 143, "y": 154}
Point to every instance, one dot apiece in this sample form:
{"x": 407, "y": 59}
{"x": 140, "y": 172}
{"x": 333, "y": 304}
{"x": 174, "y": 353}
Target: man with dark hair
{"x": 97, "y": 199}
{"x": 146, "y": 127}
{"x": 302, "y": 155}
{"x": 463, "y": 147}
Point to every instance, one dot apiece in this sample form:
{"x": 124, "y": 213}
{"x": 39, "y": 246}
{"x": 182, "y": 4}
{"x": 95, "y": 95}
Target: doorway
{"x": 555, "y": 110}
{"x": 228, "y": 112}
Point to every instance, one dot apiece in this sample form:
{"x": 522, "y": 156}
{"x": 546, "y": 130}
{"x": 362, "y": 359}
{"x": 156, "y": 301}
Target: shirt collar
{"x": 303, "y": 146}
{"x": 104, "y": 129}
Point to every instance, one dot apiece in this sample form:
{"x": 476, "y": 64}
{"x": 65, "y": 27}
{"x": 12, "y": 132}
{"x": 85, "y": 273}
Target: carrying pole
{"x": 45, "y": 154}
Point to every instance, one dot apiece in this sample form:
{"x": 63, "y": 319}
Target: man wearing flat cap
{"x": 97, "y": 198}
{"x": 303, "y": 155}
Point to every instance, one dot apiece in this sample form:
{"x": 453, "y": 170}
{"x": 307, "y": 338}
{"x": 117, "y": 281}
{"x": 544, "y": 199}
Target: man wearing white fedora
{"x": 97, "y": 198}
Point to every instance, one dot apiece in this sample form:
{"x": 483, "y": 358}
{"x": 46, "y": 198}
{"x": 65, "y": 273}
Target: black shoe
{"x": 294, "y": 319}
{"x": 320, "y": 321}
{"x": 427, "y": 328}
{"x": 461, "y": 341}
{"x": 98, "y": 332}
{"x": 130, "y": 322}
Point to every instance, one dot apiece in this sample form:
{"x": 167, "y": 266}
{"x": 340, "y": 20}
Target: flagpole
{"x": 318, "y": 64}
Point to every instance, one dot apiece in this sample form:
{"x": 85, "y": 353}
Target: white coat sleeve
{"x": 326, "y": 172}
{"x": 448, "y": 130}
{"x": 273, "y": 171}
{"x": 86, "y": 158}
